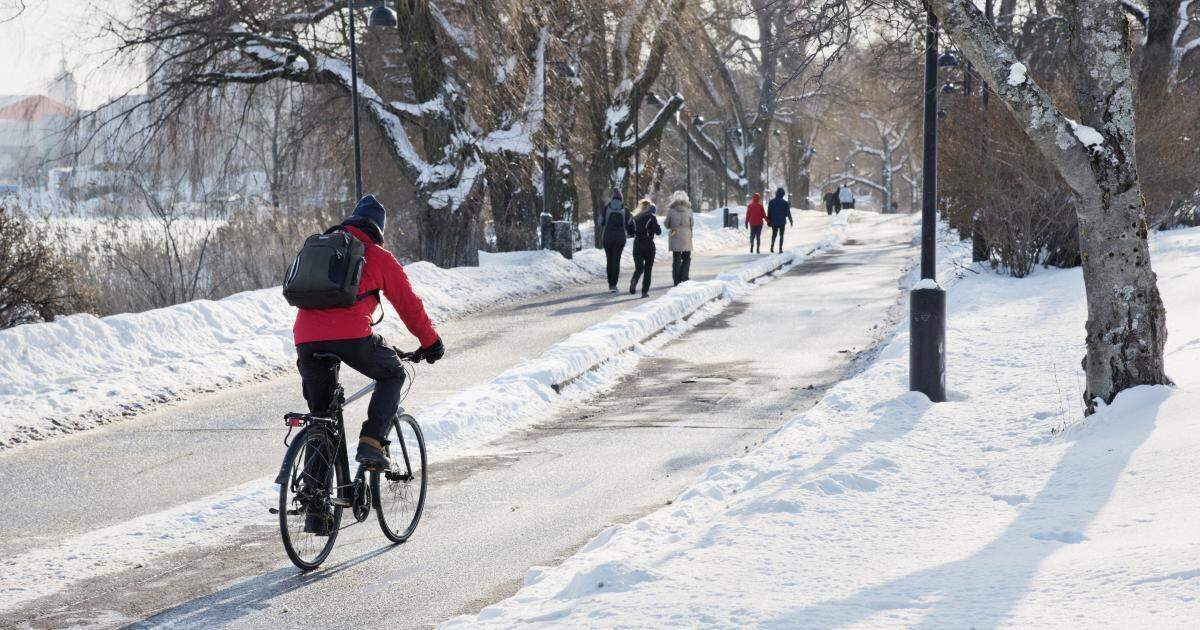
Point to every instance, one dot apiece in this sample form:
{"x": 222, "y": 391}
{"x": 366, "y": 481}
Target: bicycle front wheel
{"x": 399, "y": 493}
{"x": 308, "y": 521}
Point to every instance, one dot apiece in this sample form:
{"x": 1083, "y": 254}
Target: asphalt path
{"x": 186, "y": 451}
{"x": 528, "y": 499}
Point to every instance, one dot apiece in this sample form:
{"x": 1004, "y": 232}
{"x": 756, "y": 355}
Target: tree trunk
{"x": 513, "y": 202}
{"x": 452, "y": 238}
{"x": 1155, "y": 69}
{"x": 1126, "y": 327}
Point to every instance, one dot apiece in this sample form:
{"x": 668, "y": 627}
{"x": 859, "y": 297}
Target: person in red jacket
{"x": 756, "y": 215}
{"x": 347, "y": 332}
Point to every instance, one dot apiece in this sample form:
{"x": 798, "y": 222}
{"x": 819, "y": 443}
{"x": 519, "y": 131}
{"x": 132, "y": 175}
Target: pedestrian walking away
{"x": 756, "y": 215}
{"x": 831, "y": 201}
{"x": 615, "y": 221}
{"x": 347, "y": 330}
{"x": 643, "y": 227}
{"x": 679, "y": 236}
{"x": 779, "y": 216}
{"x": 845, "y": 198}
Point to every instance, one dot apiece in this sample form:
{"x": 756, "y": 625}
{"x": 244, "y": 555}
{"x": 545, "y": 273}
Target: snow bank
{"x": 876, "y": 508}
{"x": 521, "y": 396}
{"x": 81, "y": 371}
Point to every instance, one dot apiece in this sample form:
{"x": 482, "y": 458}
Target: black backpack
{"x": 326, "y": 272}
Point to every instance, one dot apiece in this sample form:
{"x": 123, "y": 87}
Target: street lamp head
{"x": 777, "y": 132}
{"x": 949, "y": 88}
{"x": 382, "y": 16}
{"x": 947, "y": 60}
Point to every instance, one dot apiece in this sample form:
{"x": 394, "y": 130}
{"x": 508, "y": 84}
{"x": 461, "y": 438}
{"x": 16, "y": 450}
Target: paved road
{"x": 534, "y": 497}
{"x": 187, "y": 451}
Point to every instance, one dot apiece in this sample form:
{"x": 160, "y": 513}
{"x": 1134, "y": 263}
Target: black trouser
{"x": 370, "y": 356}
{"x": 612, "y": 252}
{"x": 681, "y": 266}
{"x": 777, "y": 231}
{"x": 643, "y": 263}
{"x": 829, "y": 208}
{"x": 755, "y": 237}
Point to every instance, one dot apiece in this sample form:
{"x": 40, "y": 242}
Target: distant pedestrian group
{"x": 618, "y": 225}
{"x": 836, "y": 200}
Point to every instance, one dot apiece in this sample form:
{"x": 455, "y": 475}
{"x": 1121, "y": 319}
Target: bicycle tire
{"x": 395, "y": 508}
{"x": 303, "y": 548}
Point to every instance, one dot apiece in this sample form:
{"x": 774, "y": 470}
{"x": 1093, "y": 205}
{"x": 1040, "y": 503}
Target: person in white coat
{"x": 679, "y": 240}
{"x": 845, "y": 198}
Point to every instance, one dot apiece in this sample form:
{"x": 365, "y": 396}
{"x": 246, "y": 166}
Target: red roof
{"x": 32, "y": 108}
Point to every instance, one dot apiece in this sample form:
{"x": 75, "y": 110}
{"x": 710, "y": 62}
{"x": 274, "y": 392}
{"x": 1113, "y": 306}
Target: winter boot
{"x": 372, "y": 454}
{"x": 318, "y": 523}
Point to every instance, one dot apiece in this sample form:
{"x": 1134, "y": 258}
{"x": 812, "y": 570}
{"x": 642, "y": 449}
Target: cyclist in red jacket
{"x": 347, "y": 332}
{"x": 756, "y": 215}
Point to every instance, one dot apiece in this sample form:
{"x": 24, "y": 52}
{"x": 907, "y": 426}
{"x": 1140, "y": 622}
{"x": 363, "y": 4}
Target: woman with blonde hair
{"x": 679, "y": 225}
{"x": 643, "y": 227}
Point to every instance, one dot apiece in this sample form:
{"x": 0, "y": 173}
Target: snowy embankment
{"x": 1001, "y": 507}
{"x": 520, "y": 397}
{"x": 81, "y": 371}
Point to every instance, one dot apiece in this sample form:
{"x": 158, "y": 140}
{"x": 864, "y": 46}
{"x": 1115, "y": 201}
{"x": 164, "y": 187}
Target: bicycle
{"x": 319, "y": 452}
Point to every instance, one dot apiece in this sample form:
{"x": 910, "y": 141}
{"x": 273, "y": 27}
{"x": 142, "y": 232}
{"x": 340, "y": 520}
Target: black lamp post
{"x": 381, "y": 16}
{"x": 927, "y": 306}
{"x": 687, "y": 144}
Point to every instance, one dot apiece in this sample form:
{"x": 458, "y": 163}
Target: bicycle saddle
{"x": 327, "y": 356}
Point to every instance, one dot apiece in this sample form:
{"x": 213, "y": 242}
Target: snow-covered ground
{"x": 591, "y": 360}
{"x": 81, "y": 371}
{"x": 1001, "y": 507}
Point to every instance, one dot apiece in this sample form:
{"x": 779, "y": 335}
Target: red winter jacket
{"x": 382, "y": 271}
{"x": 755, "y": 213}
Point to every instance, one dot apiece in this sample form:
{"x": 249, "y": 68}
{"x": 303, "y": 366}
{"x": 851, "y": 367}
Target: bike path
{"x": 534, "y": 497}
{"x": 186, "y": 451}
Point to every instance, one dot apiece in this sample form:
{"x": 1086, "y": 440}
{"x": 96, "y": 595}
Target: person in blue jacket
{"x": 614, "y": 220}
{"x": 779, "y": 215}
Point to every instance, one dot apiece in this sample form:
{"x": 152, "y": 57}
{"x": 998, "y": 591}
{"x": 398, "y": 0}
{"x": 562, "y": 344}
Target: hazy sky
{"x": 32, "y": 45}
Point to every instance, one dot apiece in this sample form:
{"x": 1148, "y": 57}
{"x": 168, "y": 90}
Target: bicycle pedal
{"x": 342, "y": 503}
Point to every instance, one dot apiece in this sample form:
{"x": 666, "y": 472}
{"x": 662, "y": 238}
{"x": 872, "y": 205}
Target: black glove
{"x": 432, "y": 354}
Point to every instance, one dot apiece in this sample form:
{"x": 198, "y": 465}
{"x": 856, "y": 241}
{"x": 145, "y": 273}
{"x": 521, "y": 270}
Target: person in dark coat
{"x": 643, "y": 227}
{"x": 831, "y": 201}
{"x": 614, "y": 220}
{"x": 779, "y": 215}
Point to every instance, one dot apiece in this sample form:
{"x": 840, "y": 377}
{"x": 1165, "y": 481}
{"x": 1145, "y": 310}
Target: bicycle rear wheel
{"x": 399, "y": 494}
{"x": 309, "y": 467}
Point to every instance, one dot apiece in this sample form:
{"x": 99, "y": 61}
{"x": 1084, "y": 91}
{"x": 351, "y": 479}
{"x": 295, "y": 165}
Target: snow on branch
{"x": 518, "y": 137}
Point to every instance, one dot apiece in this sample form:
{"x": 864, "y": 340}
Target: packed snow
{"x": 81, "y": 371}
{"x": 579, "y": 367}
{"x": 1017, "y": 74}
{"x": 1087, "y": 136}
{"x": 876, "y": 508}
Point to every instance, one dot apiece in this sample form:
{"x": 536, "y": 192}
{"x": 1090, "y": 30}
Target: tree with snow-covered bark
{"x": 458, "y": 126}
{"x": 889, "y": 149}
{"x": 753, "y": 78}
{"x": 1126, "y": 326}
{"x": 622, "y": 56}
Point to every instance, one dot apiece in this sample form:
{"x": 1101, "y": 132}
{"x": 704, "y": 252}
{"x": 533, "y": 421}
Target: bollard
{"x": 563, "y": 240}
{"x": 546, "y": 233}
{"x": 725, "y": 216}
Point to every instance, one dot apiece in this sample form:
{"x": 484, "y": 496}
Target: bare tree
{"x": 442, "y": 138}
{"x": 1126, "y": 328}
{"x": 755, "y": 80}
{"x": 617, "y": 81}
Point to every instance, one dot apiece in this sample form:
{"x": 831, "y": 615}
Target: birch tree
{"x": 1126, "y": 327}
